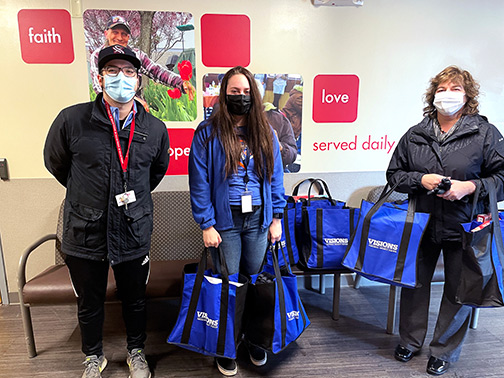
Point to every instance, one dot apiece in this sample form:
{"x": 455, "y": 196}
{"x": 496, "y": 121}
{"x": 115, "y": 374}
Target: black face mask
{"x": 238, "y": 104}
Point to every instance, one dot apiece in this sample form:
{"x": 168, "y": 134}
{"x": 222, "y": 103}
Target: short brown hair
{"x": 455, "y": 75}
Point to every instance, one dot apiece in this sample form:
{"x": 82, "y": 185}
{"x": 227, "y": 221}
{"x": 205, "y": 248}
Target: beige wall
{"x": 393, "y": 46}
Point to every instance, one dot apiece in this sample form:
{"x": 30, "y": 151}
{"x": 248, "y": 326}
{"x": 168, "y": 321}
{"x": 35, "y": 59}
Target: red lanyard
{"x": 122, "y": 160}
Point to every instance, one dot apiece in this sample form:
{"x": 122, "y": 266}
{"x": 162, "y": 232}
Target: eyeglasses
{"x": 114, "y": 71}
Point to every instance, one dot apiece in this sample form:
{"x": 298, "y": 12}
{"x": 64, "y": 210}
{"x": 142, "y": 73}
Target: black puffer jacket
{"x": 475, "y": 150}
{"x": 80, "y": 152}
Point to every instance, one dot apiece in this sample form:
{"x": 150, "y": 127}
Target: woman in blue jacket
{"x": 236, "y": 183}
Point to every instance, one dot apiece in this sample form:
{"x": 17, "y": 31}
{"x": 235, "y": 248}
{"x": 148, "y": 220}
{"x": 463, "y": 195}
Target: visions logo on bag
{"x": 336, "y": 241}
{"x": 203, "y": 316}
{"x": 385, "y": 246}
{"x": 293, "y": 315}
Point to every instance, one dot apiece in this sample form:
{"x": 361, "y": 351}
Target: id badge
{"x": 125, "y": 198}
{"x": 246, "y": 202}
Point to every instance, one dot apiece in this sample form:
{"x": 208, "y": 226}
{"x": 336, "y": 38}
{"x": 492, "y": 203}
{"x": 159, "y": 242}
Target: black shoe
{"x": 435, "y": 366}
{"x": 403, "y": 354}
{"x": 257, "y": 355}
{"x": 226, "y": 366}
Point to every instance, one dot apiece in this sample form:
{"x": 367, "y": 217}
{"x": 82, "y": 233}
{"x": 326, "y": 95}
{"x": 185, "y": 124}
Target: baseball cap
{"x": 118, "y": 20}
{"x": 117, "y": 52}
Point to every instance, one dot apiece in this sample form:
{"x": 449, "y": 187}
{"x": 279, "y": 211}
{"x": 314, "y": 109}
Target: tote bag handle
{"x": 295, "y": 191}
{"x": 405, "y": 238}
{"x": 191, "y": 311}
{"x": 281, "y": 292}
{"x": 323, "y": 184}
{"x": 492, "y": 194}
{"x": 281, "y": 295}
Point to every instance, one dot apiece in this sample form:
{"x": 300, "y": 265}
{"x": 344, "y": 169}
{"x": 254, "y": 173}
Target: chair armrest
{"x": 21, "y": 279}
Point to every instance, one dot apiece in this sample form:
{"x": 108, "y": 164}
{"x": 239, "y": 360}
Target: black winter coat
{"x": 80, "y": 152}
{"x": 475, "y": 150}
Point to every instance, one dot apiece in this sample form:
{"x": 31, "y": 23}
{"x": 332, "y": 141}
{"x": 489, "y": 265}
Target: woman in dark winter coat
{"x": 452, "y": 142}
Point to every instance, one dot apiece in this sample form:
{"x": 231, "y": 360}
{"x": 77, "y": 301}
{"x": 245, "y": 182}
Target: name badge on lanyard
{"x": 129, "y": 195}
{"x": 246, "y": 201}
{"x": 246, "y": 197}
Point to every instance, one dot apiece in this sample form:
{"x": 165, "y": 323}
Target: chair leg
{"x": 474, "y": 318}
{"x": 308, "y": 282}
{"x": 28, "y": 330}
{"x": 336, "y": 296}
{"x": 392, "y": 309}
{"x": 357, "y": 281}
{"x": 321, "y": 284}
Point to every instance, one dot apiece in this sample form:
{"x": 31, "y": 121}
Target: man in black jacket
{"x": 109, "y": 154}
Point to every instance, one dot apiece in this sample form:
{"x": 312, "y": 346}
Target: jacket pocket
{"x": 139, "y": 222}
{"x": 84, "y": 226}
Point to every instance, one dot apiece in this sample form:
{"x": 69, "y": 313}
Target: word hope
{"x": 179, "y": 151}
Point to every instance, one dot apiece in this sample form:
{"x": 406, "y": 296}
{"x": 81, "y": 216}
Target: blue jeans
{"x": 244, "y": 245}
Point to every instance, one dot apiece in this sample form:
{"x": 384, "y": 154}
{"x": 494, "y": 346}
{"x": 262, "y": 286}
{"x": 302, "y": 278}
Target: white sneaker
{"x": 257, "y": 355}
{"x": 226, "y": 366}
{"x": 137, "y": 363}
{"x": 94, "y": 366}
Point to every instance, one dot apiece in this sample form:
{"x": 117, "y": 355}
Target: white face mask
{"x": 120, "y": 88}
{"x": 448, "y": 103}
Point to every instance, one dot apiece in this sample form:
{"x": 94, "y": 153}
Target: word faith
{"x": 47, "y": 36}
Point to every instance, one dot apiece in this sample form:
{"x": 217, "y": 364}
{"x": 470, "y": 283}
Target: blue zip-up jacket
{"x": 210, "y": 189}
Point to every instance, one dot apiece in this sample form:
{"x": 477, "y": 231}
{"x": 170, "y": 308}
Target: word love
{"x": 335, "y": 98}
{"x": 369, "y": 143}
{"x": 329, "y": 98}
{"x": 47, "y": 36}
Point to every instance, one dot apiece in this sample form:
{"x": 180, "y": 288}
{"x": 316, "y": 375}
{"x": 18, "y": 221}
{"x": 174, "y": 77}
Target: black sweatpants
{"x": 89, "y": 279}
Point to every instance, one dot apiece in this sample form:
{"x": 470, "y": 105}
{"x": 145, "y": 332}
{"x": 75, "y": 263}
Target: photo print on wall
{"x": 283, "y": 103}
{"x": 164, "y": 44}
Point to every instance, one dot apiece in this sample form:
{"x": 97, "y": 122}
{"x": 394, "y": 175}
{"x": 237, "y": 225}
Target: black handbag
{"x": 481, "y": 279}
{"x": 276, "y": 316}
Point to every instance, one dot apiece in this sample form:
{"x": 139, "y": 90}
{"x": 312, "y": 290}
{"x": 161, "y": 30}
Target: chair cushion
{"x": 53, "y": 286}
{"x": 165, "y": 280}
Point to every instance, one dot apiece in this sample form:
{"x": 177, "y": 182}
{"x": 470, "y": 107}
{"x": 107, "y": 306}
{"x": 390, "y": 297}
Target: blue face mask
{"x": 120, "y": 88}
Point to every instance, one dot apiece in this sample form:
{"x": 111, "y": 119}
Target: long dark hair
{"x": 455, "y": 75}
{"x": 260, "y": 136}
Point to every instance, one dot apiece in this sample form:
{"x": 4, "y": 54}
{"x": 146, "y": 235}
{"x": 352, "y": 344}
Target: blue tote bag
{"x": 323, "y": 230}
{"x": 276, "y": 316}
{"x": 384, "y": 246}
{"x": 481, "y": 280}
{"x": 288, "y": 239}
{"x": 329, "y": 231}
{"x": 211, "y": 310}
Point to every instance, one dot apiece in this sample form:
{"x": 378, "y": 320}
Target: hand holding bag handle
{"x": 403, "y": 247}
{"x": 202, "y": 266}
